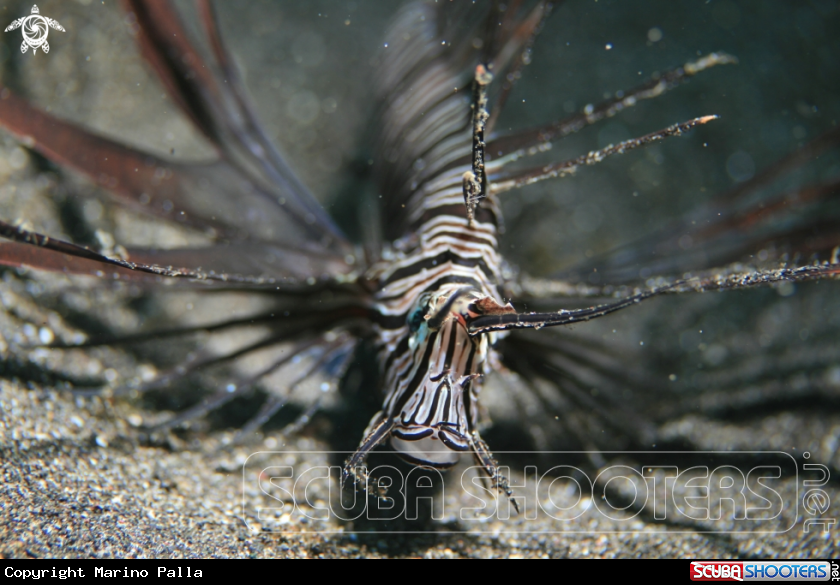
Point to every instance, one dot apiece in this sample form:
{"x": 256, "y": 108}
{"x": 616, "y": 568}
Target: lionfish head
{"x": 435, "y": 412}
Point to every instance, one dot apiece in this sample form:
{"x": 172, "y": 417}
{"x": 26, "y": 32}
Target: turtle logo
{"x": 35, "y": 30}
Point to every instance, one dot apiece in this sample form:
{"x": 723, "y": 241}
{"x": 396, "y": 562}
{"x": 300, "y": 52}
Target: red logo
{"x": 717, "y": 571}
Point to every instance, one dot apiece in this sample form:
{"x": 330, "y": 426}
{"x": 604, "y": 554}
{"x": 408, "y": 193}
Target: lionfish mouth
{"x": 439, "y": 447}
{"x": 433, "y": 429}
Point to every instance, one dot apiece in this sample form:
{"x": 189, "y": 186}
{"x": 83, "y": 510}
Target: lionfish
{"x": 430, "y": 291}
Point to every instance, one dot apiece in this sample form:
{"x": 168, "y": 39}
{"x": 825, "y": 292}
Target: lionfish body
{"x": 447, "y": 270}
{"x": 432, "y": 295}
{"x": 431, "y": 364}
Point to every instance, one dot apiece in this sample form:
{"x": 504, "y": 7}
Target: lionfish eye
{"x": 416, "y": 318}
